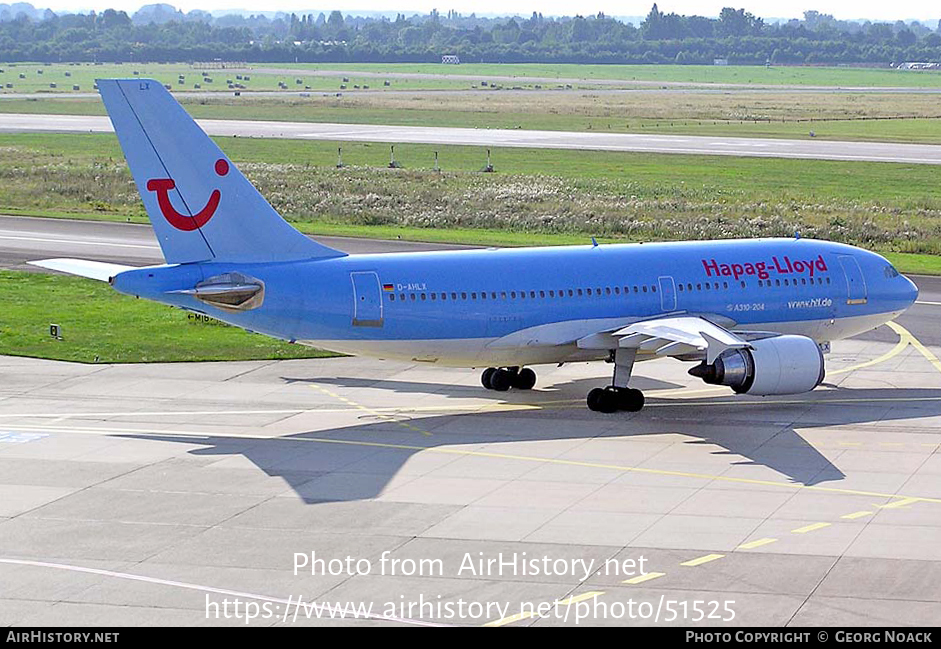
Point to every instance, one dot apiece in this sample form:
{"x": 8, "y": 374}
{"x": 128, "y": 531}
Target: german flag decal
{"x": 388, "y": 287}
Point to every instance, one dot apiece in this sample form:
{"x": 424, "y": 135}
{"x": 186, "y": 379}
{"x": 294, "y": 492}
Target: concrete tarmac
{"x": 594, "y": 141}
{"x": 148, "y": 494}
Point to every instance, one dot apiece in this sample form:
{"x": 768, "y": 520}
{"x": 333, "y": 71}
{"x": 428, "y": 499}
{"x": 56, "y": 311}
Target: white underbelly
{"x": 482, "y": 352}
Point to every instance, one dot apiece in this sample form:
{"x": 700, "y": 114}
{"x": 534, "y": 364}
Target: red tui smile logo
{"x": 182, "y": 221}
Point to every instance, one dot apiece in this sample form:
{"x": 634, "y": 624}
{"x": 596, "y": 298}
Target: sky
{"x": 844, "y": 9}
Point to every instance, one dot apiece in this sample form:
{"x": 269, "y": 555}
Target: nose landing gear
{"x": 502, "y": 379}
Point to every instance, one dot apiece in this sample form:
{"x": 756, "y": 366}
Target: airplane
{"x": 754, "y": 315}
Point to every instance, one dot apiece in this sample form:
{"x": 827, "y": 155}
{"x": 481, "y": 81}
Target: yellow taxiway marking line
{"x": 904, "y": 339}
{"x": 201, "y": 437}
{"x": 810, "y": 528}
{"x": 905, "y": 502}
{"x": 924, "y": 351}
{"x": 639, "y": 579}
{"x": 756, "y": 544}
{"x": 525, "y": 615}
{"x": 850, "y": 443}
{"x": 856, "y": 515}
{"x": 701, "y": 560}
{"x": 580, "y": 598}
{"x": 372, "y": 412}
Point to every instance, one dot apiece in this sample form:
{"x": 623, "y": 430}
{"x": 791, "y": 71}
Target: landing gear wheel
{"x": 603, "y": 400}
{"x": 501, "y": 380}
{"x": 525, "y": 379}
{"x": 487, "y": 376}
{"x": 611, "y": 399}
{"x": 630, "y": 399}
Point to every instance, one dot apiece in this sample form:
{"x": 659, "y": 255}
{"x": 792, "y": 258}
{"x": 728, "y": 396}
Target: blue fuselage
{"x": 523, "y": 306}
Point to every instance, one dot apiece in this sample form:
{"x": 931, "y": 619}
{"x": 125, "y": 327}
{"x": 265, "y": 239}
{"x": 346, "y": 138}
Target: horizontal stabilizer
{"x": 99, "y": 270}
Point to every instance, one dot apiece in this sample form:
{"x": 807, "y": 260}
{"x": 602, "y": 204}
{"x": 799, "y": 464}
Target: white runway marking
{"x": 78, "y": 242}
{"x": 209, "y": 589}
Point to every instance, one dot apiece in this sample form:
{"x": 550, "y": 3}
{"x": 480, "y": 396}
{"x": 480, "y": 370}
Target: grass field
{"x": 688, "y": 74}
{"x": 535, "y": 197}
{"x": 835, "y": 116}
{"x": 61, "y": 77}
{"x": 100, "y": 325}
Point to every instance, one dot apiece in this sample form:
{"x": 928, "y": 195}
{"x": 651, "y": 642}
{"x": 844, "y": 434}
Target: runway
{"x": 147, "y": 494}
{"x": 594, "y": 141}
{"x": 24, "y": 238}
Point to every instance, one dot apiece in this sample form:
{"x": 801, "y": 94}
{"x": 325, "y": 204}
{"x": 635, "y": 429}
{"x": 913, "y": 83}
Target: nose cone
{"x": 909, "y": 291}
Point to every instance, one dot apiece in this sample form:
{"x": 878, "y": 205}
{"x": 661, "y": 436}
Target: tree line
{"x": 161, "y": 33}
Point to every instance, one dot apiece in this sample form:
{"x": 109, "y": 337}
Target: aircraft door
{"x": 667, "y": 293}
{"x": 367, "y": 299}
{"x": 855, "y": 282}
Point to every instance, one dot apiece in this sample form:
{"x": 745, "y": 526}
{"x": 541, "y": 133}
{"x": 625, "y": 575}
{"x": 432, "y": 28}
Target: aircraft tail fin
{"x": 200, "y": 205}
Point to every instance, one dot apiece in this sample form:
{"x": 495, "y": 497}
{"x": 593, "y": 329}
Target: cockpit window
{"x": 890, "y": 271}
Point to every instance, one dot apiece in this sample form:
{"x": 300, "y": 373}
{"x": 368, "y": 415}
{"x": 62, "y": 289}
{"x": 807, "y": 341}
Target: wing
{"x": 99, "y": 270}
{"x": 669, "y": 336}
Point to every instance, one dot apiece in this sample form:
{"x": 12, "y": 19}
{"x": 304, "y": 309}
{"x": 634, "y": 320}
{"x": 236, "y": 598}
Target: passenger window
{"x": 551, "y": 293}
{"x": 588, "y": 291}
{"x": 570, "y": 292}
{"x": 391, "y": 297}
{"x": 645, "y": 288}
{"x": 444, "y": 296}
{"x": 679, "y": 288}
{"x": 434, "y": 296}
{"x": 513, "y": 294}
{"x": 579, "y": 292}
{"x": 653, "y": 289}
{"x": 413, "y": 296}
{"x": 542, "y": 294}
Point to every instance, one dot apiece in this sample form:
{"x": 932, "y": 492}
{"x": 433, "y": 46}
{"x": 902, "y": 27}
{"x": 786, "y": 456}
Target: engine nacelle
{"x": 778, "y": 365}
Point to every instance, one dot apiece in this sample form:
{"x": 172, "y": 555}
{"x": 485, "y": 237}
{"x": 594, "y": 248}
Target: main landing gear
{"x": 618, "y": 396}
{"x": 503, "y": 379}
{"x": 613, "y": 398}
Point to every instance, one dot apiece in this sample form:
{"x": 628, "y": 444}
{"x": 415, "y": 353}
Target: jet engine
{"x": 777, "y": 365}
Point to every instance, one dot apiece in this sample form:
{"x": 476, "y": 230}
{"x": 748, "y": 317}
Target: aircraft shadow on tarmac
{"x": 576, "y": 389}
{"x": 762, "y": 432}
